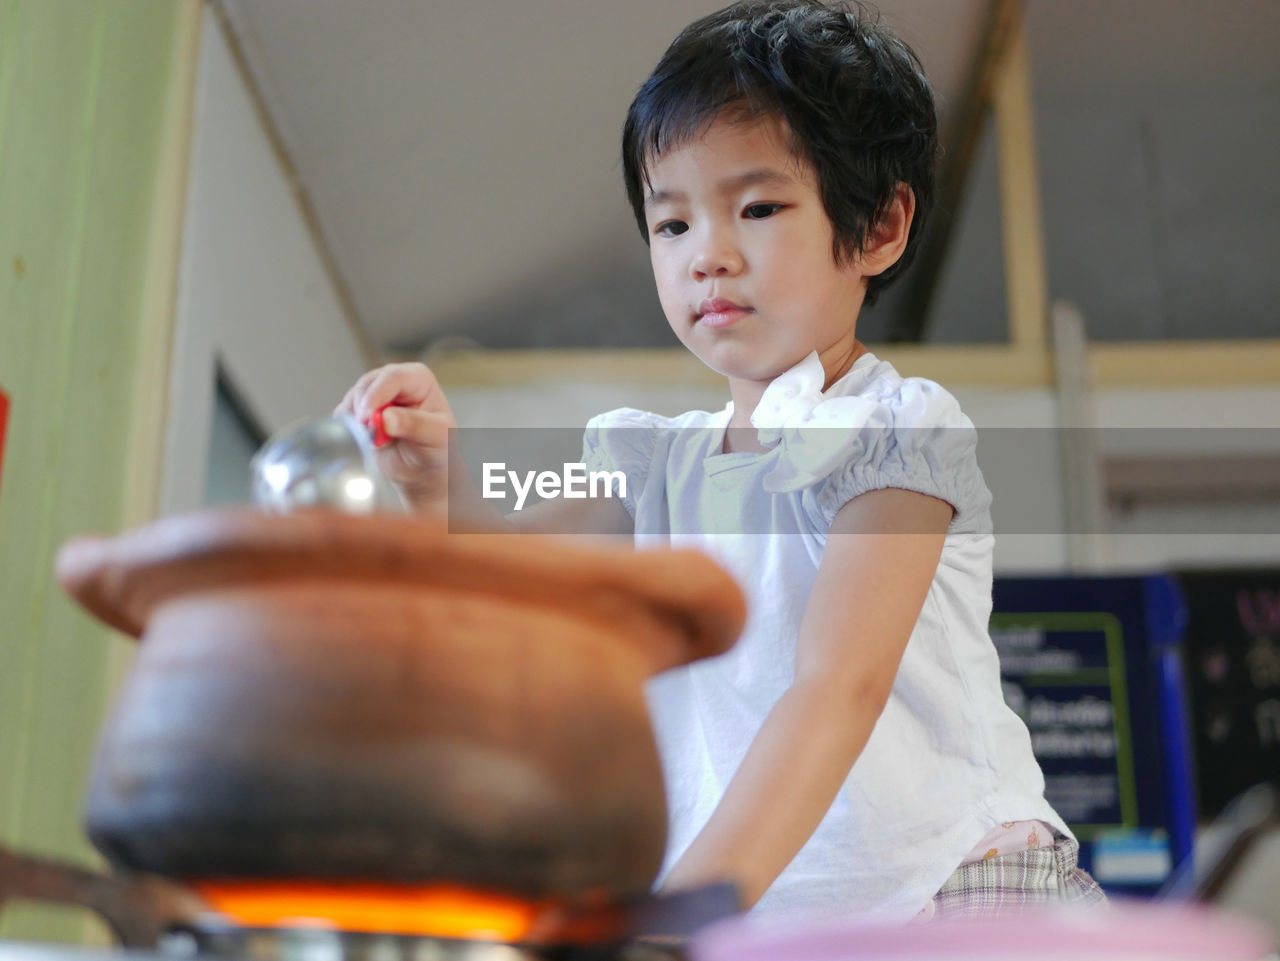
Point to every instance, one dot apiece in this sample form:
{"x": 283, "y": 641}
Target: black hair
{"x": 853, "y": 95}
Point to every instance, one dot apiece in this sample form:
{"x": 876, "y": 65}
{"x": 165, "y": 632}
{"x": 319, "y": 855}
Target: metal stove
{"x": 156, "y": 919}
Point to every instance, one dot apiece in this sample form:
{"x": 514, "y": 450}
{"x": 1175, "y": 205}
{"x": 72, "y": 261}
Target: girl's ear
{"x": 887, "y": 237}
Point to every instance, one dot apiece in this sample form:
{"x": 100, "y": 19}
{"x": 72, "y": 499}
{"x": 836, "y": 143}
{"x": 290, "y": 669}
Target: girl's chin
{"x": 755, "y": 370}
{"x": 741, "y": 358}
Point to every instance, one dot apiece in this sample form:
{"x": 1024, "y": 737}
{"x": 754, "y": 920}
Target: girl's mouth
{"x": 717, "y": 312}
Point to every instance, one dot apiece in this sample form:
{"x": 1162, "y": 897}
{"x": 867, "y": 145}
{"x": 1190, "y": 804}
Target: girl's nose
{"x": 716, "y": 257}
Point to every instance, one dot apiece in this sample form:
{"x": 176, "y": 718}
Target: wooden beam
{"x": 675, "y": 367}
{"x": 1152, "y": 364}
{"x": 1187, "y": 363}
{"x": 159, "y": 307}
{"x": 144, "y": 457}
{"x": 1026, "y": 278}
{"x": 959, "y": 147}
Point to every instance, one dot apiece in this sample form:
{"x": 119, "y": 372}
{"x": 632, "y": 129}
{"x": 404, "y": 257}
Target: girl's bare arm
{"x": 879, "y": 562}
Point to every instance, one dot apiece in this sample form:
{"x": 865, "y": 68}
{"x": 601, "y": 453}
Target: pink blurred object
{"x": 1122, "y": 932}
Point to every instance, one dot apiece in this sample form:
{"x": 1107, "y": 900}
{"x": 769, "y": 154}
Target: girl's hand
{"x": 416, "y": 419}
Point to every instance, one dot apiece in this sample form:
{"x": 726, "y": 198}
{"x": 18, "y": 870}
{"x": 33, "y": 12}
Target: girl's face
{"x": 742, "y": 254}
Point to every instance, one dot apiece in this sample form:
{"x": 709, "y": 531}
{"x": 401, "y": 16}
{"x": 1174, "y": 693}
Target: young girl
{"x": 852, "y": 755}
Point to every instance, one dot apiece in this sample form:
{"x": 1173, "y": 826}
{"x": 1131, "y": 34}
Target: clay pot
{"x": 326, "y": 696}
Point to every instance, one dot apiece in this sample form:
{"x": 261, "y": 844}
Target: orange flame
{"x": 439, "y": 910}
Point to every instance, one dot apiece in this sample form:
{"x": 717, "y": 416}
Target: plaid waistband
{"x": 1013, "y": 882}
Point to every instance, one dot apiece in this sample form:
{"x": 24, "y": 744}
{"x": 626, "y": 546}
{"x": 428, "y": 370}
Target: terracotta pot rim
{"x": 122, "y": 580}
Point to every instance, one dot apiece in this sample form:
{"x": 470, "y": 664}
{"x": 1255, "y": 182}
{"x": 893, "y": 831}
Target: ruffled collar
{"x": 809, "y": 434}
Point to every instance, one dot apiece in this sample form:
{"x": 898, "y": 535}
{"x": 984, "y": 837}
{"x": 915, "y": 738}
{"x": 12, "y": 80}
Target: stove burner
{"x": 454, "y": 924}
{"x": 440, "y": 923}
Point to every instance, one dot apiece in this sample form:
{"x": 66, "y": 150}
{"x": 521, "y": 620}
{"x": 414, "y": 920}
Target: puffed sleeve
{"x": 622, "y": 440}
{"x": 921, "y": 441}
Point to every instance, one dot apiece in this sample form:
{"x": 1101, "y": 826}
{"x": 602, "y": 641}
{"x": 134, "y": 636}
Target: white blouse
{"x": 947, "y": 761}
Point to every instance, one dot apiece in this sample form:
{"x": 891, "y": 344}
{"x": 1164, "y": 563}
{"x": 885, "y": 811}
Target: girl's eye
{"x": 671, "y": 228}
{"x": 761, "y": 211}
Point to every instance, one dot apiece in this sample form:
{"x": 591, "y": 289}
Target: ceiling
{"x": 462, "y": 161}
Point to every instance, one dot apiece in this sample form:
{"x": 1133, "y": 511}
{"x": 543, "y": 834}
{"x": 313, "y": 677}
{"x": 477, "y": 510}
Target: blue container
{"x": 1094, "y": 666}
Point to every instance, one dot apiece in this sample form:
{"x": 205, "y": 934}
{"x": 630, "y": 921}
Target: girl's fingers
{"x": 348, "y": 401}
{"x": 404, "y": 385}
{"x": 351, "y": 400}
{"x": 408, "y": 418}
{"x": 406, "y": 412}
{"x": 421, "y": 427}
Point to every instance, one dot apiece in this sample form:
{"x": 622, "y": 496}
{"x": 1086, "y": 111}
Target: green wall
{"x": 87, "y": 138}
